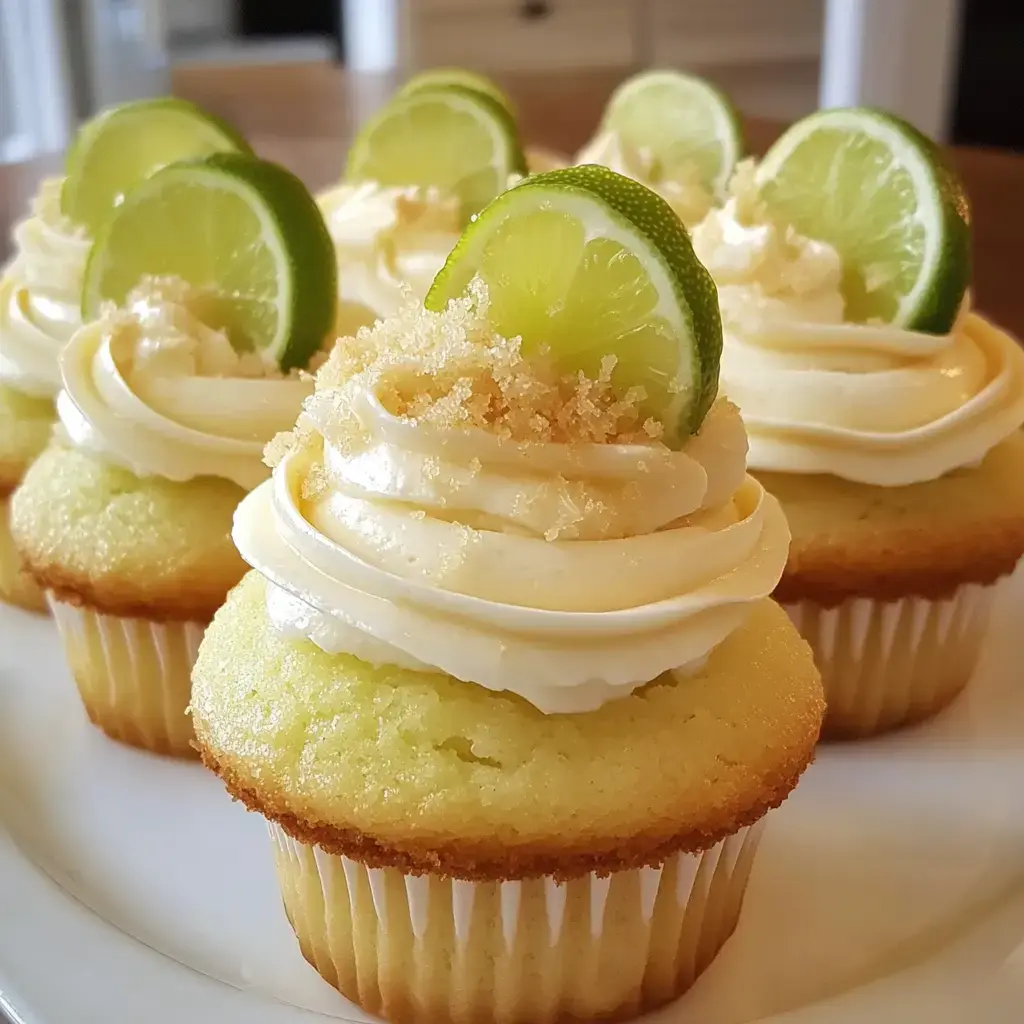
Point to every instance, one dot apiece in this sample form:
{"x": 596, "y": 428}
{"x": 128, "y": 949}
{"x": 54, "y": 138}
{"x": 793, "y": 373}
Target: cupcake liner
{"x": 422, "y": 949}
{"x": 889, "y": 663}
{"x": 134, "y": 675}
{"x": 16, "y": 587}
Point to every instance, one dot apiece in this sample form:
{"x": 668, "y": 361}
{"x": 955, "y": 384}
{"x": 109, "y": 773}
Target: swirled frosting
{"x": 872, "y": 403}
{"x": 684, "y": 193}
{"x": 497, "y": 548}
{"x": 40, "y": 295}
{"x": 387, "y": 240}
{"x": 155, "y": 390}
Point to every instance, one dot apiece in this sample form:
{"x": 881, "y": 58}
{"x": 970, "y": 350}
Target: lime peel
{"x": 124, "y": 144}
{"x": 245, "y": 234}
{"x": 447, "y": 137}
{"x": 911, "y": 267}
{"x": 636, "y": 291}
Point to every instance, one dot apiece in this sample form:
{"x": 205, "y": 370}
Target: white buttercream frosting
{"x": 685, "y": 193}
{"x": 387, "y": 241}
{"x": 872, "y": 403}
{"x": 155, "y": 390}
{"x": 40, "y": 295}
{"x": 568, "y": 572}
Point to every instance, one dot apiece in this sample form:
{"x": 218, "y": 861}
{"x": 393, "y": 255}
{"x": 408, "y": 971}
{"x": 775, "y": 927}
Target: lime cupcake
{"x": 41, "y": 289}
{"x": 677, "y": 134}
{"x": 442, "y": 149}
{"x": 168, "y": 399}
{"x": 40, "y": 293}
{"x": 506, "y": 682}
{"x": 882, "y": 411}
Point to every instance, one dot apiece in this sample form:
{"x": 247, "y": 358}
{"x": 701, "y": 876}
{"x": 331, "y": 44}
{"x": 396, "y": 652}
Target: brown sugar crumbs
{"x": 452, "y": 371}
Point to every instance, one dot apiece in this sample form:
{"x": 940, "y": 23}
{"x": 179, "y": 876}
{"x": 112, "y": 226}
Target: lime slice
{"x": 461, "y": 77}
{"x": 878, "y": 191}
{"x": 125, "y": 144}
{"x": 682, "y": 122}
{"x": 451, "y": 138}
{"x": 244, "y": 233}
{"x": 588, "y": 263}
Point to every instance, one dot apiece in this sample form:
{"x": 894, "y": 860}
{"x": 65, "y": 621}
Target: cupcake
{"x": 417, "y": 171}
{"x": 506, "y": 682}
{"x": 41, "y": 289}
{"x": 388, "y": 240}
{"x": 40, "y": 294}
{"x": 674, "y": 133}
{"x": 684, "y": 191}
{"x": 893, "y": 447}
{"x": 124, "y": 521}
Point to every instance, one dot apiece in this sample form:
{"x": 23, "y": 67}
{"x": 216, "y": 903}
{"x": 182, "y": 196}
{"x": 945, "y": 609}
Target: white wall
{"x": 36, "y": 112}
{"x": 896, "y": 54}
{"x": 211, "y": 18}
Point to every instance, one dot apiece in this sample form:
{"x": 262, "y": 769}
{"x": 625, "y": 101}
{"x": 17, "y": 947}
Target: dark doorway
{"x": 990, "y": 94}
{"x": 264, "y": 18}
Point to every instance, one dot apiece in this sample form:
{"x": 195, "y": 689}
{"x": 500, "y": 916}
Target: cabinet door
{"x": 523, "y": 34}
{"x": 696, "y": 32}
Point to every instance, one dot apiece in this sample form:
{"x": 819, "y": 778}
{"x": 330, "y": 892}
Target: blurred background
{"x": 948, "y": 65}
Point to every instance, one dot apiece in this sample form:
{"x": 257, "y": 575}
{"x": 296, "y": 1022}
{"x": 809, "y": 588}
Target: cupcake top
{"x": 388, "y": 239}
{"x": 872, "y": 403}
{"x": 40, "y": 295}
{"x": 446, "y": 503}
{"x": 153, "y": 389}
{"x": 684, "y": 191}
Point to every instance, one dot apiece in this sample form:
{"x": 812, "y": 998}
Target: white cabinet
{"x": 511, "y": 35}
{"x": 729, "y": 32}
{"x": 765, "y": 53}
{"x": 210, "y": 19}
{"x": 515, "y": 35}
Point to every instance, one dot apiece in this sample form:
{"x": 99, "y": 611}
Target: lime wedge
{"x": 588, "y": 263}
{"x": 244, "y": 233}
{"x": 461, "y": 77}
{"x": 878, "y": 191}
{"x": 682, "y": 122}
{"x": 451, "y": 138}
{"x": 125, "y": 144}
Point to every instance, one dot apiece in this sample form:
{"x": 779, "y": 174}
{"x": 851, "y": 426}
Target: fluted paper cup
{"x": 134, "y": 675}
{"x": 422, "y": 949}
{"x": 886, "y": 664}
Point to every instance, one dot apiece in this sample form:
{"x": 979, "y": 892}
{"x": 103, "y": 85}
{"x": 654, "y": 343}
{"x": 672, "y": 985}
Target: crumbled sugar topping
{"x": 452, "y": 371}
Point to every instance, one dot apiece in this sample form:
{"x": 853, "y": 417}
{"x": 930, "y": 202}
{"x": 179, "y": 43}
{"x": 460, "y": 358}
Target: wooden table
{"x": 303, "y": 116}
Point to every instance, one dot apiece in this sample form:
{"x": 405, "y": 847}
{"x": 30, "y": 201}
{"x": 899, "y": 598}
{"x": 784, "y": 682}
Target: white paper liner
{"x": 134, "y": 675}
{"x": 426, "y": 949}
{"x": 16, "y": 587}
{"x": 889, "y": 663}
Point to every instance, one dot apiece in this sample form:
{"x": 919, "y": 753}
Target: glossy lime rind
{"x": 681, "y": 121}
{"x": 124, "y": 144}
{"x": 916, "y": 221}
{"x": 245, "y": 233}
{"x": 392, "y": 149}
{"x": 463, "y": 78}
{"x": 648, "y": 228}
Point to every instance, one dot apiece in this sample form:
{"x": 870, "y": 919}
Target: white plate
{"x": 890, "y": 887}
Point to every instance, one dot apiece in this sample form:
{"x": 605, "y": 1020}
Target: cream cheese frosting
{"x": 40, "y": 295}
{"x": 684, "y": 193}
{"x": 153, "y": 389}
{"x": 388, "y": 241}
{"x": 504, "y": 551}
{"x": 872, "y": 403}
